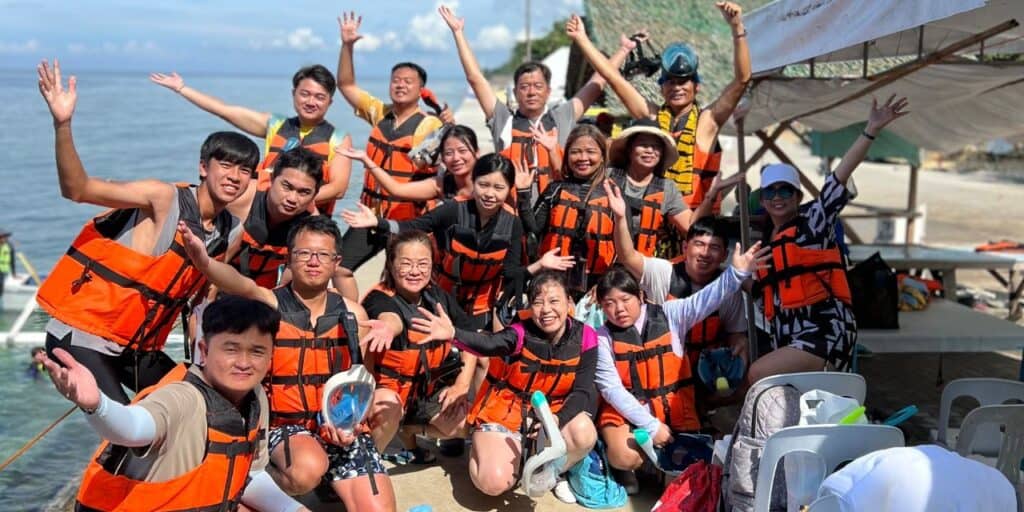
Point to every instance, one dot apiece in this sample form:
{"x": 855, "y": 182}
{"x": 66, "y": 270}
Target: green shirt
{"x": 6, "y": 260}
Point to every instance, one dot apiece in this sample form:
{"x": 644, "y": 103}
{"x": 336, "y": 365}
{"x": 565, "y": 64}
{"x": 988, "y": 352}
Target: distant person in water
{"x": 37, "y": 367}
{"x": 6, "y": 259}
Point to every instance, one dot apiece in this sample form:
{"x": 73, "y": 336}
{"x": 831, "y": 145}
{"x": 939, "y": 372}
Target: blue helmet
{"x": 679, "y": 61}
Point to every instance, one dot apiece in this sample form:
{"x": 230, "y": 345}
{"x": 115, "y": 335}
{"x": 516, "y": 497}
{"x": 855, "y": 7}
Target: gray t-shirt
{"x": 500, "y": 124}
{"x": 671, "y": 206}
{"x": 657, "y": 278}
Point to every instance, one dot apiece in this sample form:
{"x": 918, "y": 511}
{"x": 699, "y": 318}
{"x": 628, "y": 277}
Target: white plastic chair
{"x": 827, "y": 504}
{"x": 987, "y": 392}
{"x": 849, "y": 385}
{"x": 834, "y": 444}
{"x": 1005, "y": 419}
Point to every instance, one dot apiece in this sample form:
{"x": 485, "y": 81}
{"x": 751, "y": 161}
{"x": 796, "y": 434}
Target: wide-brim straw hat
{"x": 618, "y": 151}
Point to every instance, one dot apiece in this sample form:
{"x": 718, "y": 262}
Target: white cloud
{"x": 494, "y": 37}
{"x": 370, "y": 43}
{"x": 28, "y": 46}
{"x": 428, "y": 31}
{"x": 303, "y": 39}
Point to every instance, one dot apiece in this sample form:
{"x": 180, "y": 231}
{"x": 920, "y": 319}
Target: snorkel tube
{"x": 540, "y": 472}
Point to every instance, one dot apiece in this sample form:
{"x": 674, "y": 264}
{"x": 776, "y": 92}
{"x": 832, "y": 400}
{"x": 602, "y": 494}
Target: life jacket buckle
{"x": 82, "y": 279}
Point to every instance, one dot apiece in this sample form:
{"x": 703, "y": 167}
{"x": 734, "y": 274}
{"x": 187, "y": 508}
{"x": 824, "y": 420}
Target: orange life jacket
{"x": 263, "y": 250}
{"x": 504, "y": 396}
{"x": 287, "y": 137}
{"x": 588, "y": 236}
{"x": 216, "y": 484}
{"x": 471, "y": 268}
{"x": 109, "y": 290}
{"x": 802, "y": 276}
{"x": 389, "y": 148}
{"x": 406, "y": 366}
{"x": 648, "y": 209}
{"x": 695, "y": 169}
{"x": 306, "y": 355}
{"x": 653, "y": 373}
{"x": 523, "y": 143}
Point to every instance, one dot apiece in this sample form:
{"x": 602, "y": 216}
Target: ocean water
{"x": 125, "y": 128}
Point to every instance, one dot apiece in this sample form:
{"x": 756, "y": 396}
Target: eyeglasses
{"x": 783, "y": 192}
{"x": 406, "y": 266}
{"x": 304, "y": 255}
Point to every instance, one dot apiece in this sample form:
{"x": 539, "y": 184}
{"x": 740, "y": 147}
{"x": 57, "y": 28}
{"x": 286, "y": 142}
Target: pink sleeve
{"x": 520, "y": 336}
{"x": 589, "y": 338}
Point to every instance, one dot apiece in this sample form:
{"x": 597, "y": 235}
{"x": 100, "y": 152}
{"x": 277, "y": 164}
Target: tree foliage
{"x": 546, "y": 45}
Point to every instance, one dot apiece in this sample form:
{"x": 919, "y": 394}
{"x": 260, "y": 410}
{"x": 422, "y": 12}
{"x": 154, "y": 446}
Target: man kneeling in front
{"x": 193, "y": 440}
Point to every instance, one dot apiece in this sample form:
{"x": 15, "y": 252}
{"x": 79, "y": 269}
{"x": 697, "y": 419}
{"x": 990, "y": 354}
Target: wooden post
{"x": 911, "y": 206}
{"x": 743, "y": 193}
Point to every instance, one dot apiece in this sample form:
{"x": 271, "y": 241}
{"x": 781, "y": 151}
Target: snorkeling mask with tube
{"x": 427, "y": 152}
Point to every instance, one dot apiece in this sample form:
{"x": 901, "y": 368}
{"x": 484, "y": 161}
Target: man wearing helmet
{"x": 695, "y": 128}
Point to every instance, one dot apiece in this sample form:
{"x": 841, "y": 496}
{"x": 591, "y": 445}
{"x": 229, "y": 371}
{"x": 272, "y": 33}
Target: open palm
{"x": 173, "y": 81}
{"x": 892, "y": 110}
{"x": 61, "y": 101}
{"x": 73, "y": 380}
{"x": 454, "y": 23}
{"x": 754, "y": 258}
{"x": 348, "y": 24}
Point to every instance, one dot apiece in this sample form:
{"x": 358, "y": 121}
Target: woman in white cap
{"x": 806, "y": 297}
{"x": 638, "y": 158}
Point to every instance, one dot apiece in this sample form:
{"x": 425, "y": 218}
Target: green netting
{"x": 888, "y": 146}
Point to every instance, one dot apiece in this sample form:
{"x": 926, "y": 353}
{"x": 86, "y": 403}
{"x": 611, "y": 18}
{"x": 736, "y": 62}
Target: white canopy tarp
{"x": 953, "y": 104}
{"x": 791, "y": 31}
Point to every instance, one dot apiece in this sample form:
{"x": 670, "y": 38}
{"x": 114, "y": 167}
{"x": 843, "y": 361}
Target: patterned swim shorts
{"x": 344, "y": 462}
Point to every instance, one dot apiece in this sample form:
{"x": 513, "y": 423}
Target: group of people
{"x": 486, "y": 256}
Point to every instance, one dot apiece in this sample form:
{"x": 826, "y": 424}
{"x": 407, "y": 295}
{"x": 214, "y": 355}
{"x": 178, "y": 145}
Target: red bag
{"x": 697, "y": 489}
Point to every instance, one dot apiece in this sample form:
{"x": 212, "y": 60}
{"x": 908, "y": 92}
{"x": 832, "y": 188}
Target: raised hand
{"x": 552, "y": 261}
{"x": 73, "y": 380}
{"x": 364, "y": 218}
{"x": 438, "y": 326}
{"x": 615, "y": 201}
{"x": 351, "y": 152}
{"x": 629, "y": 44}
{"x": 881, "y": 116}
{"x": 718, "y": 184}
{"x": 525, "y": 175}
{"x": 454, "y": 23}
{"x": 60, "y": 100}
{"x": 732, "y": 12}
{"x": 753, "y": 259}
{"x": 348, "y": 25}
{"x": 574, "y": 28}
{"x": 173, "y": 81}
{"x": 195, "y": 249}
{"x": 547, "y": 139}
{"x": 380, "y": 336}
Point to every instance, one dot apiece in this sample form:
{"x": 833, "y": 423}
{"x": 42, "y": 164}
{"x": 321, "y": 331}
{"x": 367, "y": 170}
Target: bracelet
{"x": 868, "y": 135}
{"x": 737, "y": 36}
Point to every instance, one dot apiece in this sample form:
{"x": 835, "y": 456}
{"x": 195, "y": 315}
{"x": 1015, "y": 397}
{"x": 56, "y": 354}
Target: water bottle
{"x": 646, "y": 443}
{"x": 422, "y": 508}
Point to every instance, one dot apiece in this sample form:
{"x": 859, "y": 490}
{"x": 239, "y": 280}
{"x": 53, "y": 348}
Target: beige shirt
{"x": 179, "y": 412}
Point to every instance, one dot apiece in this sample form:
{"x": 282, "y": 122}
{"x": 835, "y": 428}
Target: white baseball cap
{"x": 779, "y": 173}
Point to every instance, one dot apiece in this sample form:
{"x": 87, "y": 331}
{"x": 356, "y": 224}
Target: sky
{"x": 257, "y": 36}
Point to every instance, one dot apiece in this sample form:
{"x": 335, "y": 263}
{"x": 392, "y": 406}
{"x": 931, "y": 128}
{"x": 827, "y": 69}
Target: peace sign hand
{"x": 438, "y": 326}
{"x": 60, "y": 100}
{"x": 73, "y": 380}
{"x": 348, "y": 25}
{"x": 574, "y": 28}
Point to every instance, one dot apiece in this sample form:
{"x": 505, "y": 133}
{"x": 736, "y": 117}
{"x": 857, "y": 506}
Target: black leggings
{"x": 114, "y": 373}
{"x": 358, "y": 245}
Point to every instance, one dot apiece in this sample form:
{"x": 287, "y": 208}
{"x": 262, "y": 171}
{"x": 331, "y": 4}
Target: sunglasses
{"x": 783, "y": 192}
